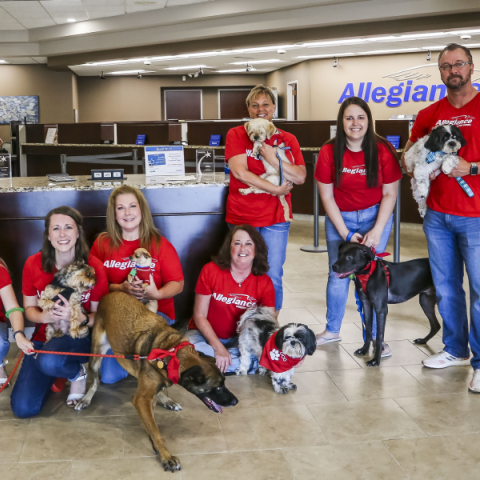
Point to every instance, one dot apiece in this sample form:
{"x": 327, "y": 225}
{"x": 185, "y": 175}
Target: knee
{"x": 21, "y": 407}
{"x": 111, "y": 371}
{"x": 50, "y": 365}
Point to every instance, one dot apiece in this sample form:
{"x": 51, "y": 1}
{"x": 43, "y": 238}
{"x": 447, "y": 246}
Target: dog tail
{"x": 286, "y": 208}
{"x": 257, "y": 313}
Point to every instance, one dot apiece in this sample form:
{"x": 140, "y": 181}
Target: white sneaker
{"x": 474, "y": 385}
{"x": 443, "y": 360}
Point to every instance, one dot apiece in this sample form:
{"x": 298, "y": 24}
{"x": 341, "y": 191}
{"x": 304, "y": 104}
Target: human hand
{"x": 23, "y": 344}
{"x": 222, "y": 358}
{"x": 356, "y": 238}
{"x": 151, "y": 292}
{"x": 134, "y": 289}
{"x": 372, "y": 238}
{"x": 269, "y": 154}
{"x": 62, "y": 309}
{"x": 284, "y": 188}
{"x": 462, "y": 169}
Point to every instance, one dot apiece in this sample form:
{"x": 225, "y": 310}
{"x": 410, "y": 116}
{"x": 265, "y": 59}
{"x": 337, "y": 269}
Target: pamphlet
{"x": 394, "y": 140}
{"x": 164, "y": 160}
{"x": 51, "y": 137}
{"x": 60, "y": 177}
{"x": 333, "y": 131}
{"x": 141, "y": 139}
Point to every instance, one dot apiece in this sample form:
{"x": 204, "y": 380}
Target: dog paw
{"x": 373, "y": 363}
{"x": 262, "y": 371}
{"x": 420, "y": 341}
{"x": 292, "y": 386}
{"x": 82, "y": 404}
{"x": 241, "y": 371}
{"x": 171, "y": 405}
{"x": 361, "y": 352}
{"x": 171, "y": 464}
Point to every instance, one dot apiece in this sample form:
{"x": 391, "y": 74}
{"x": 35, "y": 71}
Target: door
{"x": 231, "y": 104}
{"x": 292, "y": 100}
{"x": 183, "y": 104}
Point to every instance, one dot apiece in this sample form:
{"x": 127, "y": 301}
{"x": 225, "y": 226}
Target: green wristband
{"x": 16, "y": 309}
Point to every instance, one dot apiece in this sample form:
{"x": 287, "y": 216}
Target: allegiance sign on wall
{"x": 19, "y": 108}
{"x": 409, "y": 88}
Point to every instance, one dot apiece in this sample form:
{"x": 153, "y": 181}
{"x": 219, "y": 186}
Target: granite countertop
{"x": 43, "y": 184}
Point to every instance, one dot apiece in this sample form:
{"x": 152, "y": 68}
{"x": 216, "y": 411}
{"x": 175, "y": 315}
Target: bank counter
{"x": 190, "y": 214}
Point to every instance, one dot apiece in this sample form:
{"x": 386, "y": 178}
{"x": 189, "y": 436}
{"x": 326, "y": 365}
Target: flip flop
{"x": 324, "y": 341}
{"x": 73, "y": 398}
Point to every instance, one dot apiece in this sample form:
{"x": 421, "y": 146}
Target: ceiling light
{"x": 429, "y": 56}
{"x": 189, "y": 67}
{"x": 465, "y": 37}
{"x": 130, "y": 72}
{"x": 281, "y": 51}
{"x": 236, "y": 70}
{"x": 139, "y": 75}
{"x": 379, "y": 52}
{"x": 249, "y": 68}
{"x": 335, "y": 62}
{"x": 184, "y": 78}
{"x": 351, "y": 41}
{"x": 465, "y": 32}
{"x": 71, "y": 20}
{"x": 3, "y": 61}
{"x": 330, "y": 55}
{"x": 272, "y": 60}
{"x": 102, "y": 76}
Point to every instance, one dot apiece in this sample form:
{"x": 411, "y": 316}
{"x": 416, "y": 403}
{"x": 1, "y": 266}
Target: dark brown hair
{"x": 260, "y": 262}
{"x": 148, "y": 232}
{"x": 451, "y": 47}
{"x": 81, "y": 248}
{"x": 369, "y": 144}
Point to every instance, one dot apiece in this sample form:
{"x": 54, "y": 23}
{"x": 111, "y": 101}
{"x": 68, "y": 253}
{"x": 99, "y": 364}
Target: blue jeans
{"x": 4, "y": 343}
{"x": 276, "y": 238}
{"x": 361, "y": 221}
{"x": 111, "y": 371}
{"x": 453, "y": 242}
{"x": 39, "y": 372}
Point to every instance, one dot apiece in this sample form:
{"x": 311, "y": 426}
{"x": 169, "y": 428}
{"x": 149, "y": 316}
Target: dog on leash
{"x": 278, "y": 350}
{"x": 379, "y": 283}
{"x": 129, "y": 328}
{"x": 259, "y": 130}
{"x": 71, "y": 282}
{"x": 429, "y": 154}
{"x": 142, "y": 270}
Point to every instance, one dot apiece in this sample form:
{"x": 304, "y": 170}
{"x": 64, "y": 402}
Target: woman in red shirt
{"x": 14, "y": 313}
{"x": 357, "y": 176}
{"x": 130, "y": 226}
{"x": 63, "y": 243}
{"x": 235, "y": 281}
{"x": 264, "y": 210}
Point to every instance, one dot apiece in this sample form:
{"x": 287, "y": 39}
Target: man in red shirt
{"x": 452, "y": 221}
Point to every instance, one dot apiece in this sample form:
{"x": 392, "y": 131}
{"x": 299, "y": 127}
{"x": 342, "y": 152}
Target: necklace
{"x": 239, "y": 281}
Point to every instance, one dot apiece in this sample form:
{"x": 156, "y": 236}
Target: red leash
{"x": 5, "y": 385}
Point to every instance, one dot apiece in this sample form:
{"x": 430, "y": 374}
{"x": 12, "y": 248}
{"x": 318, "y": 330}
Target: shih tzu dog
{"x": 142, "y": 269}
{"x": 71, "y": 282}
{"x": 259, "y": 130}
{"x": 279, "y": 350}
{"x": 433, "y": 152}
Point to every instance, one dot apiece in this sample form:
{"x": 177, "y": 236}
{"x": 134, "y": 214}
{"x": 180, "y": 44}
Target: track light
{"x": 139, "y": 75}
{"x": 335, "y": 62}
{"x": 196, "y": 74}
{"x": 184, "y": 78}
{"x": 249, "y": 68}
{"x": 102, "y": 76}
{"x": 429, "y": 56}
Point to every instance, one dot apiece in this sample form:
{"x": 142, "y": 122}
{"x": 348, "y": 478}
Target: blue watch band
{"x": 349, "y": 236}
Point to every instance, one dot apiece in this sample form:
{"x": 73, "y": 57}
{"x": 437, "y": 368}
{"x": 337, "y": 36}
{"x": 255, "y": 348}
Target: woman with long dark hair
{"x": 357, "y": 175}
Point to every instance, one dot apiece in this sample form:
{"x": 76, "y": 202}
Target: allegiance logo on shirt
{"x": 359, "y": 169}
{"x": 126, "y": 264}
{"x": 460, "y": 121}
{"x": 240, "y": 300}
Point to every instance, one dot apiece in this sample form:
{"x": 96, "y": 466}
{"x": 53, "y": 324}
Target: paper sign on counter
{"x": 164, "y": 160}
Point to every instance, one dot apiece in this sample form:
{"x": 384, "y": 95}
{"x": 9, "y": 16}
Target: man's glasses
{"x": 446, "y": 67}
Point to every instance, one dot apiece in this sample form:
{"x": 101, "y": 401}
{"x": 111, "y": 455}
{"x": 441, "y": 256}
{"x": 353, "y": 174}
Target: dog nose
{"x": 292, "y": 343}
{"x": 234, "y": 401}
{"x": 452, "y": 143}
{"x": 335, "y": 267}
{"x": 256, "y": 137}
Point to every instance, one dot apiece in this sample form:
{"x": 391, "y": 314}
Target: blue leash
{"x": 280, "y": 162}
{"x": 360, "y": 311}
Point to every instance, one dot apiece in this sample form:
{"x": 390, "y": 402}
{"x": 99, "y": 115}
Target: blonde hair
{"x": 114, "y": 233}
{"x": 259, "y": 90}
{"x": 3, "y": 264}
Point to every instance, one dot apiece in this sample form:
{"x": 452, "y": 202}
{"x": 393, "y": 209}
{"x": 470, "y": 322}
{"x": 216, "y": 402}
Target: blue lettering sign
{"x": 347, "y": 93}
{"x": 378, "y": 94}
{"x": 393, "y": 99}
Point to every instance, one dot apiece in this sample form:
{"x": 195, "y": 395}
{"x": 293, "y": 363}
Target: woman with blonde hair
{"x": 130, "y": 226}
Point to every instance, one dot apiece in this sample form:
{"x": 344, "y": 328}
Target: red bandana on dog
{"x": 371, "y": 268}
{"x": 143, "y": 273}
{"x": 173, "y": 364}
{"x": 275, "y": 360}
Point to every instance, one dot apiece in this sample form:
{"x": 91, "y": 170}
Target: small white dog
{"x": 430, "y": 153}
{"x": 279, "y": 350}
{"x": 259, "y": 130}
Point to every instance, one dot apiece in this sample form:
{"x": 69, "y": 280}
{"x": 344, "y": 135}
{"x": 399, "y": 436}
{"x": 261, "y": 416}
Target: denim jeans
{"x": 39, "y": 372}
{"x": 111, "y": 371}
{"x": 276, "y": 238}
{"x": 453, "y": 242}
{"x": 361, "y": 221}
{"x": 4, "y": 343}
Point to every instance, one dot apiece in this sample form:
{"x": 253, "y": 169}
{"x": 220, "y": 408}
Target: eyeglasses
{"x": 446, "y": 67}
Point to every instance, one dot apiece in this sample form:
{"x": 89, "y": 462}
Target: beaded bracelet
{"x": 16, "y": 309}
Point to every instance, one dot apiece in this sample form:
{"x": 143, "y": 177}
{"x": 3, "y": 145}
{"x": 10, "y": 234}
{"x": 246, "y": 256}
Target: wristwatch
{"x": 473, "y": 169}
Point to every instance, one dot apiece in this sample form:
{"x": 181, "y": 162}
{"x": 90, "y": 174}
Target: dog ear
{"x": 279, "y": 338}
{"x": 207, "y": 358}
{"x": 434, "y": 142}
{"x": 247, "y": 128}
{"x": 368, "y": 252}
{"x": 271, "y": 129}
{"x": 192, "y": 377}
{"x": 310, "y": 342}
{"x": 458, "y": 134}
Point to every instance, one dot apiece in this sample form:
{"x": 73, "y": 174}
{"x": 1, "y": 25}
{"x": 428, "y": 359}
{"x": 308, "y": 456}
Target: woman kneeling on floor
{"x": 235, "y": 281}
{"x": 63, "y": 243}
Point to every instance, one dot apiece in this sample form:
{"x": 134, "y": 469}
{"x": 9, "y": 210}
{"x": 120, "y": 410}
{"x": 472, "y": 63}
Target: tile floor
{"x": 344, "y": 422}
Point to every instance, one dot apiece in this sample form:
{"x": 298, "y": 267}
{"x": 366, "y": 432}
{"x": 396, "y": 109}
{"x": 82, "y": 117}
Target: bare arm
{"x": 169, "y": 290}
{"x": 407, "y": 147}
{"x": 293, "y": 173}
{"x": 35, "y": 313}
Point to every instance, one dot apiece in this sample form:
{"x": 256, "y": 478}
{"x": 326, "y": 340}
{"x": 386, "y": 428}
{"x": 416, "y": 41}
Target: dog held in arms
{"x": 429, "y": 154}
{"x": 142, "y": 270}
{"x": 278, "y": 350}
{"x": 406, "y": 280}
{"x": 259, "y": 130}
{"x": 126, "y": 325}
{"x": 71, "y": 282}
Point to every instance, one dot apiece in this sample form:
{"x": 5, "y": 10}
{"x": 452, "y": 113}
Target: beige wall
{"x": 53, "y": 88}
{"x": 320, "y": 86}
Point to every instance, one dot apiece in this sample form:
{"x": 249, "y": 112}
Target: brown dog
{"x": 132, "y": 329}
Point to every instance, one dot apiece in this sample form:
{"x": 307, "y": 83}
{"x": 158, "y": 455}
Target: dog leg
{"x": 143, "y": 403}
{"x": 245, "y": 356}
{"x": 428, "y": 302}
{"x": 368, "y": 314}
{"x": 262, "y": 370}
{"x": 281, "y": 382}
{"x": 152, "y": 305}
{"x": 381, "y": 318}
{"x": 167, "y": 402}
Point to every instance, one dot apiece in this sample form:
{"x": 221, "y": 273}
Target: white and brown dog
{"x": 429, "y": 154}
{"x": 259, "y": 130}
{"x": 278, "y": 350}
{"x": 71, "y": 282}
{"x": 142, "y": 270}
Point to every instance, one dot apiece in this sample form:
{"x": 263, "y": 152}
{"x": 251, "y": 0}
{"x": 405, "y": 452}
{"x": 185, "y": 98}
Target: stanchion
{"x": 396, "y": 226}
{"x": 315, "y": 248}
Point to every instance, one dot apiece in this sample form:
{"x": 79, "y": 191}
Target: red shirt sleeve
{"x": 390, "y": 168}
{"x": 96, "y": 250}
{"x": 28, "y": 288}
{"x": 324, "y": 169}
{"x": 235, "y": 144}
{"x": 292, "y": 142}
{"x": 420, "y": 127}
{"x": 4, "y": 277}
{"x": 204, "y": 283}
{"x": 268, "y": 296}
{"x": 170, "y": 267}
{"x": 101, "y": 286}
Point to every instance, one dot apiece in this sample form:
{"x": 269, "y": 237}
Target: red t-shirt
{"x": 228, "y": 300}
{"x": 262, "y": 209}
{"x": 353, "y": 193}
{"x": 4, "y": 281}
{"x": 165, "y": 265}
{"x": 35, "y": 279}
{"x": 446, "y": 195}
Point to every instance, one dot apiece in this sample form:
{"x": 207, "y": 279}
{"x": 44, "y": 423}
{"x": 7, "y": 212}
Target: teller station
{"x": 190, "y": 214}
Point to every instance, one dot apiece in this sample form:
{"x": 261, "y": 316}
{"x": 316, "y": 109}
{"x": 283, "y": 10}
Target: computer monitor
{"x": 13, "y": 127}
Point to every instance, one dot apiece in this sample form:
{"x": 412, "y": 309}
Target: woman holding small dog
{"x": 63, "y": 243}
{"x": 235, "y": 281}
{"x": 357, "y": 176}
{"x": 264, "y": 211}
{"x": 130, "y": 227}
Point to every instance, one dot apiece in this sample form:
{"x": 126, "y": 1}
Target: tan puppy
{"x": 259, "y": 130}
{"x": 143, "y": 261}
{"x": 71, "y": 282}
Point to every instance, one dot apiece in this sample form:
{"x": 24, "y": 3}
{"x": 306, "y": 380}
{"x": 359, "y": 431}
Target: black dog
{"x": 406, "y": 280}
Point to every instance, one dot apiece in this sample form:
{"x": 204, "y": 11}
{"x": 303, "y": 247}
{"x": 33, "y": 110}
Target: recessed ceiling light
{"x": 3, "y": 61}
{"x": 236, "y": 70}
{"x": 144, "y": 3}
{"x": 130, "y": 72}
{"x": 189, "y": 67}
{"x": 71, "y": 20}
{"x": 400, "y": 50}
{"x": 272, "y": 60}
{"x": 330, "y": 55}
